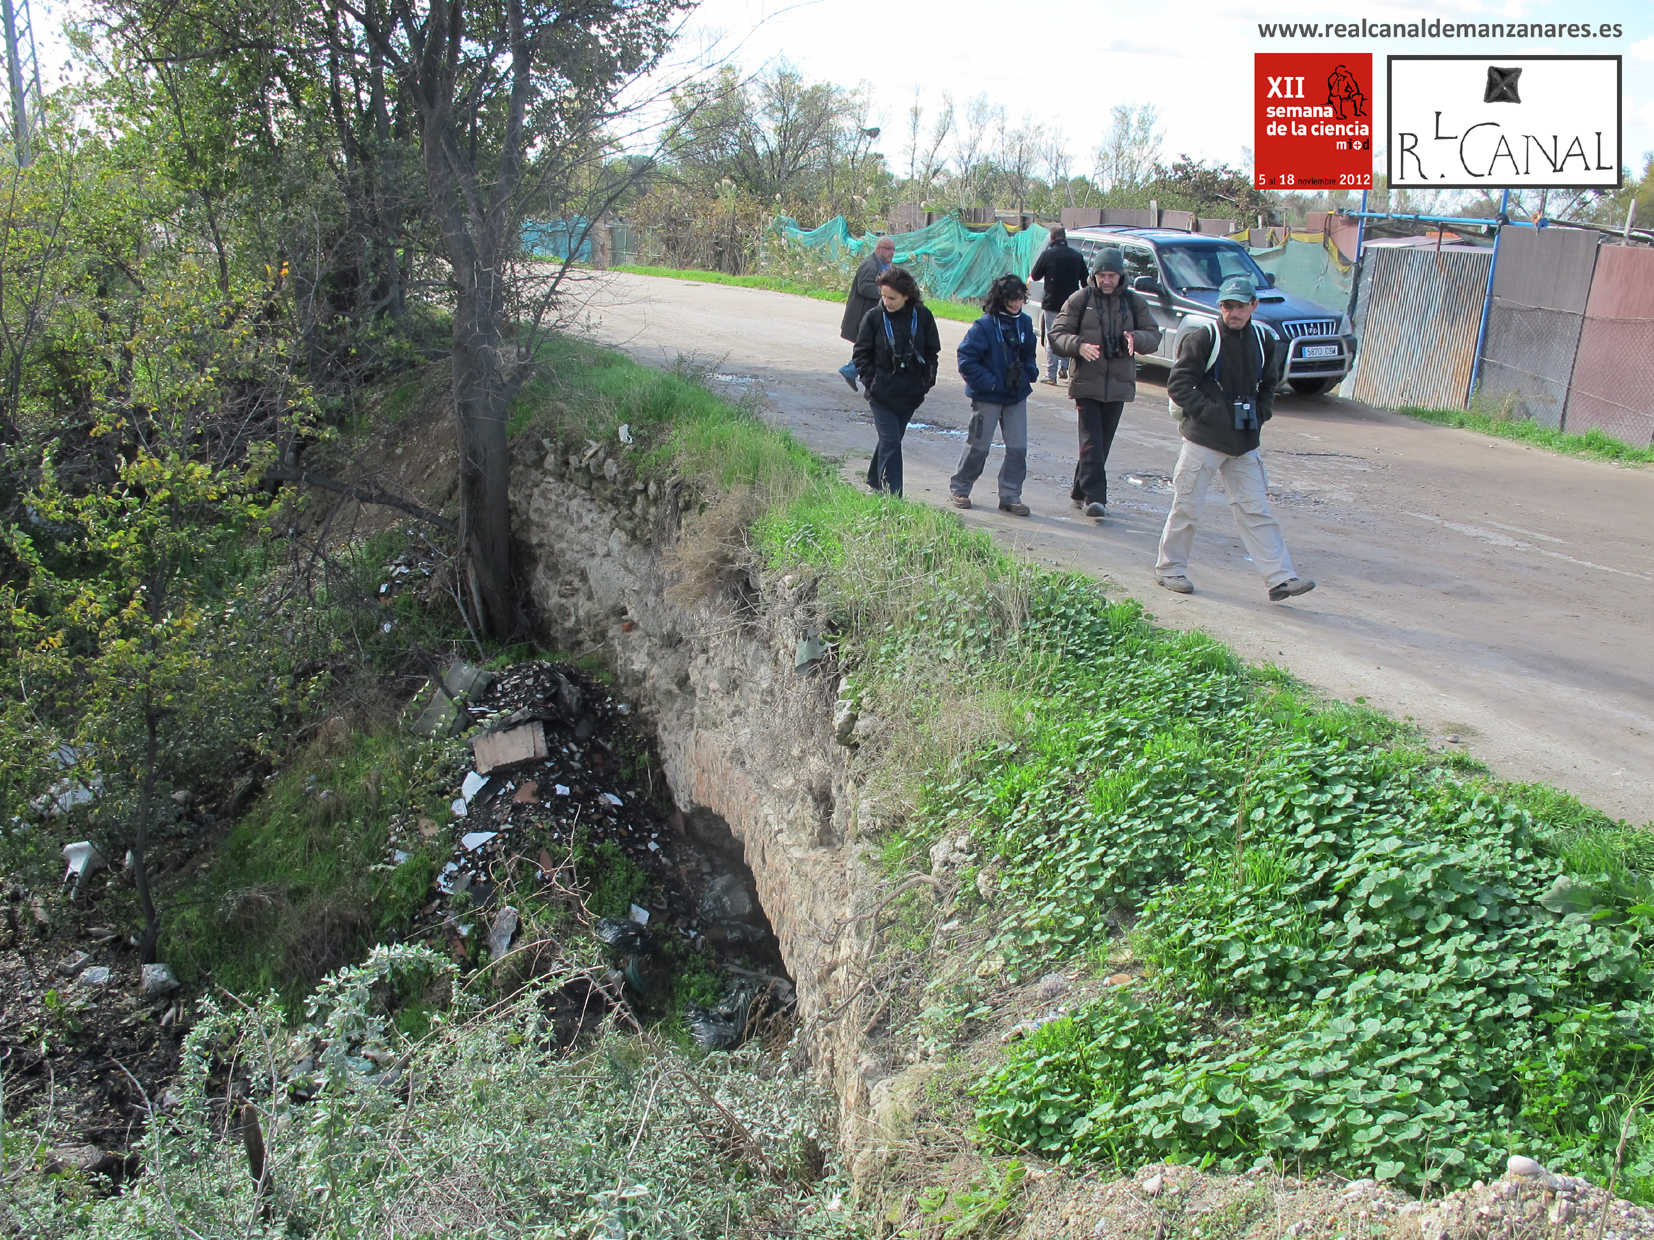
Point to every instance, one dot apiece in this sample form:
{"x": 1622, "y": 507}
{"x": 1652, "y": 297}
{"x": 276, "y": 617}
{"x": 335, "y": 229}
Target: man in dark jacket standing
{"x": 864, "y": 295}
{"x": 1062, "y": 268}
{"x": 1103, "y": 328}
{"x": 1222, "y": 396}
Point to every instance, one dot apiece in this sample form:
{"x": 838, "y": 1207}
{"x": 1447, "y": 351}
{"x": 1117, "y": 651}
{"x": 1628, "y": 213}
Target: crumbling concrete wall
{"x": 743, "y": 734}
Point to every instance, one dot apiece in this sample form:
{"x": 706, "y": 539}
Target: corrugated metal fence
{"x": 1417, "y": 314}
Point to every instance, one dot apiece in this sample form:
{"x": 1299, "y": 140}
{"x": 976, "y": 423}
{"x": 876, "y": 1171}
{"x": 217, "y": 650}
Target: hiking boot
{"x": 1094, "y": 509}
{"x": 1177, "y": 585}
{"x": 1079, "y": 504}
{"x": 1290, "y": 588}
{"x": 960, "y": 501}
{"x": 1015, "y": 507}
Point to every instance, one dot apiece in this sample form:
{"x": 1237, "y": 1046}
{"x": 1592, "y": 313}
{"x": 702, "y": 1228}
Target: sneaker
{"x": 1177, "y": 585}
{"x": 960, "y": 501}
{"x": 1079, "y": 504}
{"x": 1290, "y": 588}
{"x": 1094, "y": 509}
{"x": 1052, "y": 382}
{"x": 1015, "y": 507}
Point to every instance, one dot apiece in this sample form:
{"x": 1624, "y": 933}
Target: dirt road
{"x": 1495, "y": 593}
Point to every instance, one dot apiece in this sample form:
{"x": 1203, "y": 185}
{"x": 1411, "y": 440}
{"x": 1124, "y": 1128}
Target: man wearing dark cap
{"x": 1062, "y": 267}
{"x": 1222, "y": 389}
{"x": 1102, "y": 329}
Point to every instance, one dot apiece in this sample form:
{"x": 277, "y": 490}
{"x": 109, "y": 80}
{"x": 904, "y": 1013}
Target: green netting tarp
{"x": 1306, "y": 265}
{"x": 950, "y": 260}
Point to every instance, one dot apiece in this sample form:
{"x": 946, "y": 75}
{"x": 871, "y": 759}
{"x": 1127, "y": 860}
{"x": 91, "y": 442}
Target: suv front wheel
{"x": 1311, "y": 387}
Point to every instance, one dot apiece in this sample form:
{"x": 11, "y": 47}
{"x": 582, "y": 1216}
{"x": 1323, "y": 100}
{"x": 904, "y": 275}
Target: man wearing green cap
{"x": 1222, "y": 390}
{"x": 1103, "y": 327}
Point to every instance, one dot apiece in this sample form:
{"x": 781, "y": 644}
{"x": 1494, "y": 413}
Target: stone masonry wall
{"x": 743, "y": 735}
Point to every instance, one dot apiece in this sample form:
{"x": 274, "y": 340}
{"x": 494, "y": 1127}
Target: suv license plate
{"x": 1320, "y": 350}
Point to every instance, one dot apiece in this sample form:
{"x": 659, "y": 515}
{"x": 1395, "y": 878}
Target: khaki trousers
{"x": 1245, "y": 481}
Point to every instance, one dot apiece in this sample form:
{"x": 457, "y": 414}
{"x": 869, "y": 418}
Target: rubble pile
{"x": 563, "y": 786}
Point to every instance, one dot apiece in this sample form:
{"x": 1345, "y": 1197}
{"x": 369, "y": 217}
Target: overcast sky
{"x": 1065, "y": 63}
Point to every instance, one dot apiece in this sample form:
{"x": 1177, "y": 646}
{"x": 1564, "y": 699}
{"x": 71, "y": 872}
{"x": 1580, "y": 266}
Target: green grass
{"x": 301, "y": 885}
{"x": 1592, "y": 443}
{"x": 961, "y": 311}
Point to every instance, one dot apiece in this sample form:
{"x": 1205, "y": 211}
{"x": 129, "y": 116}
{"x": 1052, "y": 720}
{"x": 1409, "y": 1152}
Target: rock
{"x": 71, "y": 965}
{"x": 97, "y": 975}
{"x": 170, "y": 1100}
{"x": 727, "y": 899}
{"x": 1052, "y": 986}
{"x": 157, "y": 981}
{"x": 500, "y": 932}
{"x": 1528, "y": 1169}
{"x": 528, "y": 794}
{"x": 1151, "y": 1187}
{"x": 514, "y": 747}
{"x": 1562, "y": 1213}
{"x": 1117, "y": 979}
{"x": 1356, "y": 1187}
{"x": 865, "y": 730}
{"x": 844, "y": 722}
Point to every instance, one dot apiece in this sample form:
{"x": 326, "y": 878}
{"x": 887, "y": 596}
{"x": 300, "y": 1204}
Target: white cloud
{"x": 1646, "y": 112}
{"x": 1643, "y": 50}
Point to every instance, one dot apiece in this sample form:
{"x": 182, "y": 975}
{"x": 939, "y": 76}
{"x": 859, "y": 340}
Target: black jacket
{"x": 864, "y": 295}
{"x": 1062, "y": 267}
{"x": 1204, "y": 399}
{"x": 900, "y": 389}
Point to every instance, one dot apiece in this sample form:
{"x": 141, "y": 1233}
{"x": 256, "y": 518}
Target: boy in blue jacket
{"x": 996, "y": 360}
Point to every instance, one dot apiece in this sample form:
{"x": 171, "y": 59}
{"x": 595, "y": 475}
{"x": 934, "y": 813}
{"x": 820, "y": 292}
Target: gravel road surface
{"x": 1500, "y": 595}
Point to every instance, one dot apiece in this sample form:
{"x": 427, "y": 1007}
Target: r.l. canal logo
{"x": 1464, "y": 122}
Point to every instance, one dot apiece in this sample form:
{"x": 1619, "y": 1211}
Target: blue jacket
{"x": 993, "y": 349}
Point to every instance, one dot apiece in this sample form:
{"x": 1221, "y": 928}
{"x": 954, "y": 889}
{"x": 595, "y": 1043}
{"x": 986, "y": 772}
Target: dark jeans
{"x": 1099, "y": 419}
{"x": 884, "y": 473}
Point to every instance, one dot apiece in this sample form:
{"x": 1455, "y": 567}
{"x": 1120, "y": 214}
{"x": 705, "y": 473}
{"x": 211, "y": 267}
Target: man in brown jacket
{"x": 1103, "y": 327}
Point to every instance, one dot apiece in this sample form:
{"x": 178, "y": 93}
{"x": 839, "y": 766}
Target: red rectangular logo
{"x": 1314, "y": 124}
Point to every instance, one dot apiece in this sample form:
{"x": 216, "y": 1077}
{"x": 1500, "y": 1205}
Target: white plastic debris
{"x": 625, "y": 432}
{"x": 612, "y": 799}
{"x": 500, "y": 932}
{"x": 640, "y": 915}
{"x": 621, "y": 708}
{"x": 459, "y": 807}
{"x": 474, "y": 783}
{"x": 653, "y": 847}
{"x": 97, "y": 975}
{"x": 473, "y": 840}
{"x": 85, "y": 859}
{"x": 399, "y": 856}
{"x": 385, "y": 627}
{"x": 560, "y": 789}
{"x": 445, "y": 878}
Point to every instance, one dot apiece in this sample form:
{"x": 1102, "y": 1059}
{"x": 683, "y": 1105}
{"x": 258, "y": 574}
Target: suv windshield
{"x": 1207, "y": 266}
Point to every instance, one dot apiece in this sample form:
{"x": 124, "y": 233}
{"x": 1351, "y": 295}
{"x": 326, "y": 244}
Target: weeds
{"x": 960, "y": 311}
{"x": 1592, "y": 443}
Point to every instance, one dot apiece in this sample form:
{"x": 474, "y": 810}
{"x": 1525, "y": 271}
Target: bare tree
{"x": 1058, "y": 165}
{"x": 1130, "y": 153}
{"x": 970, "y": 147}
{"x": 1021, "y": 150}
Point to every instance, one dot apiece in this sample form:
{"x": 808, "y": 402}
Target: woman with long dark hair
{"x": 996, "y": 360}
{"x": 895, "y": 356}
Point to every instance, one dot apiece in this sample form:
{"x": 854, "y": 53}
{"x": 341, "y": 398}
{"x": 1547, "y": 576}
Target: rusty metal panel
{"x": 1119, "y": 217}
{"x": 1184, "y": 220}
{"x": 1539, "y": 295}
{"x": 1528, "y": 359}
{"x": 1082, "y": 217}
{"x": 1549, "y": 267}
{"x": 1613, "y": 381}
{"x": 1217, "y": 228}
{"x": 1418, "y": 312}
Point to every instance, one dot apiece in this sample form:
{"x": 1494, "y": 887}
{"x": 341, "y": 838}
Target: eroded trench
{"x": 565, "y": 819}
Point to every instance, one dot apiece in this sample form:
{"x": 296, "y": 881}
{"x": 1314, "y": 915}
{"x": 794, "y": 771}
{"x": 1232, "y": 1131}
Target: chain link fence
{"x": 1613, "y": 380}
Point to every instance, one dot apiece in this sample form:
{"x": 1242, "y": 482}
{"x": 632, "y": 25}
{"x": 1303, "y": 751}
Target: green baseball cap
{"x": 1237, "y": 288}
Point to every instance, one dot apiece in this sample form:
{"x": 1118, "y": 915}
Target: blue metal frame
{"x": 1487, "y": 301}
